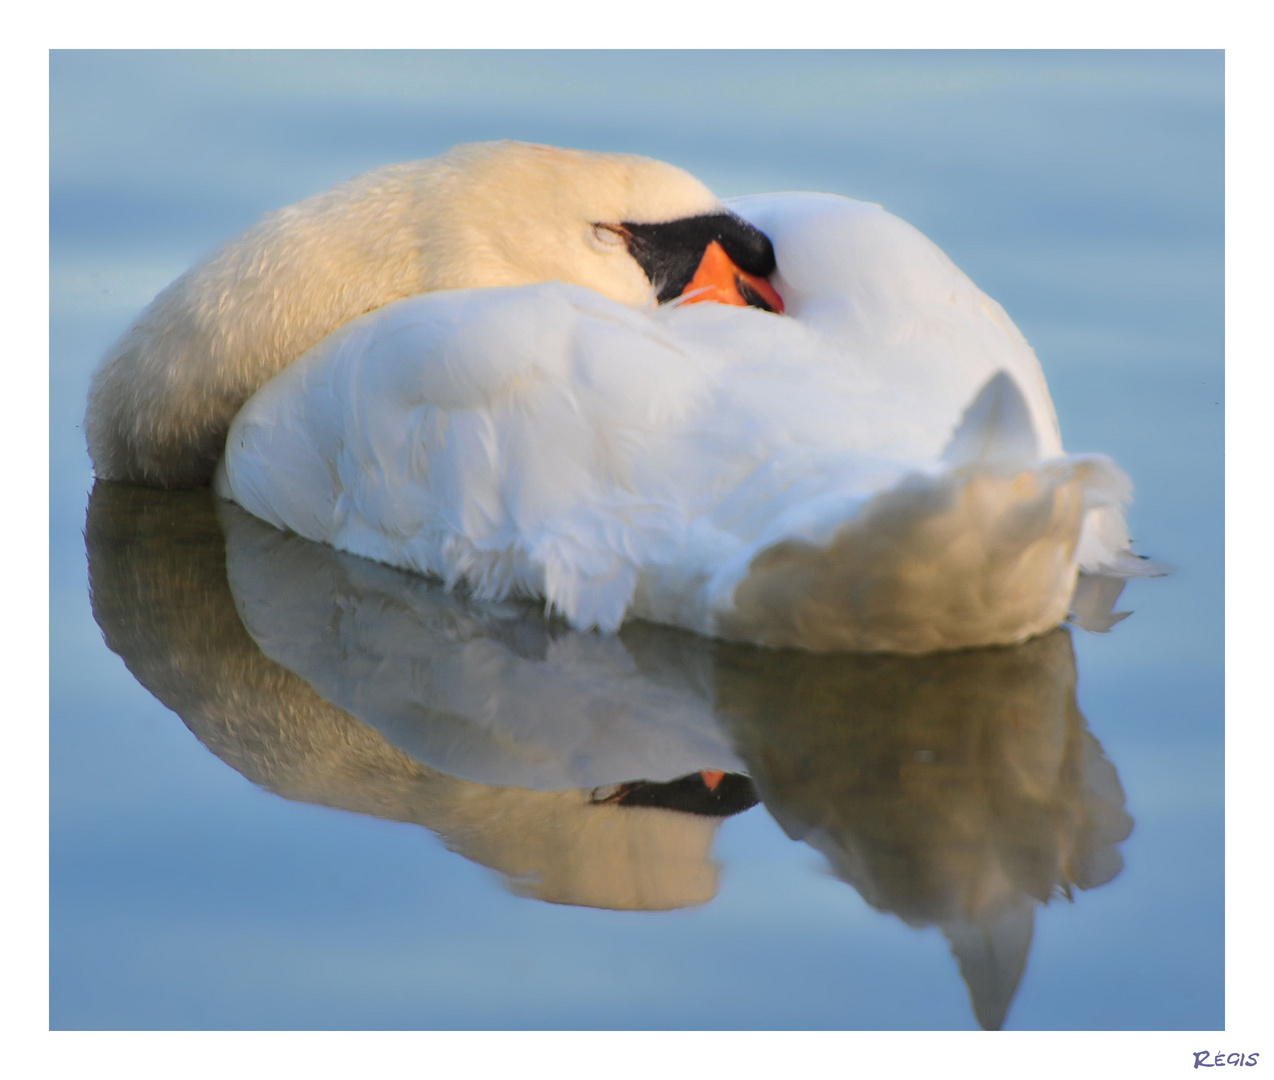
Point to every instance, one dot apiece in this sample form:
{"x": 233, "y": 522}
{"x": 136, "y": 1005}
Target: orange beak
{"x": 711, "y": 778}
{"x": 720, "y": 281}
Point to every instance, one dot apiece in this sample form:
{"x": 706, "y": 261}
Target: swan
{"x": 484, "y": 214}
{"x": 494, "y": 368}
{"x": 879, "y": 469}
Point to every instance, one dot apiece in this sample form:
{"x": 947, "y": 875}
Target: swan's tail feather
{"x": 1105, "y": 547}
{"x": 986, "y": 550}
{"x": 996, "y": 431}
{"x": 958, "y": 560}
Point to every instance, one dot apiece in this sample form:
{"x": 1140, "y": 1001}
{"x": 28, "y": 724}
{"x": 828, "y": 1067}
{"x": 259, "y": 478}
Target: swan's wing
{"x": 492, "y": 435}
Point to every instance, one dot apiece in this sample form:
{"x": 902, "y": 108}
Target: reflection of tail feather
{"x": 991, "y": 951}
{"x": 1107, "y": 824}
{"x": 160, "y": 595}
{"x": 1093, "y": 604}
{"x": 954, "y": 789}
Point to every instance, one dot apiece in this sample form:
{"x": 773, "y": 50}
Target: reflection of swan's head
{"x": 566, "y": 848}
{"x": 957, "y": 790}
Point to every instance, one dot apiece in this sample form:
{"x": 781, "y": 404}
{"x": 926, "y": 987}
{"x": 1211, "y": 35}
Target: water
{"x": 401, "y": 881}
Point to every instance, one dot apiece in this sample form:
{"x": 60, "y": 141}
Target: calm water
{"x": 293, "y": 789}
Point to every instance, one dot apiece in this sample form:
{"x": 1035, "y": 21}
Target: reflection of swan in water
{"x": 489, "y": 692}
{"x": 158, "y": 580}
{"x": 957, "y": 790}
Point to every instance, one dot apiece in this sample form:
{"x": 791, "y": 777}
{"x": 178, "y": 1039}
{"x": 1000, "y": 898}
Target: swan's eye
{"x": 610, "y": 236}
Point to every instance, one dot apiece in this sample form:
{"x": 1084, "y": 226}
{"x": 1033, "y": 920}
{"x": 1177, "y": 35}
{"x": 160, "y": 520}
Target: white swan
{"x": 881, "y": 470}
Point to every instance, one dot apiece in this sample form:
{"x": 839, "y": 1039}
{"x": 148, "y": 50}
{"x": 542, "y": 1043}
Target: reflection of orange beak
{"x": 720, "y": 281}
{"x": 711, "y": 778}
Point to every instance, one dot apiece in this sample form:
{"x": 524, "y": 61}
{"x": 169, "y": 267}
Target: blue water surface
{"x": 1081, "y": 190}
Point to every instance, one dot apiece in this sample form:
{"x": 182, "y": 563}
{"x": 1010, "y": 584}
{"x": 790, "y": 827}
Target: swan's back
{"x": 915, "y": 334}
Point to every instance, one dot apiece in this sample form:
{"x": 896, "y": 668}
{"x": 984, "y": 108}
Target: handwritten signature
{"x": 1201, "y": 1058}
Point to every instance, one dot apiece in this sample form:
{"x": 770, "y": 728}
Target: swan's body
{"x": 488, "y": 392}
{"x": 882, "y": 470}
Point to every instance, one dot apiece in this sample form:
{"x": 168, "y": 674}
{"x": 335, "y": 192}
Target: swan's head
{"x": 629, "y": 227}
